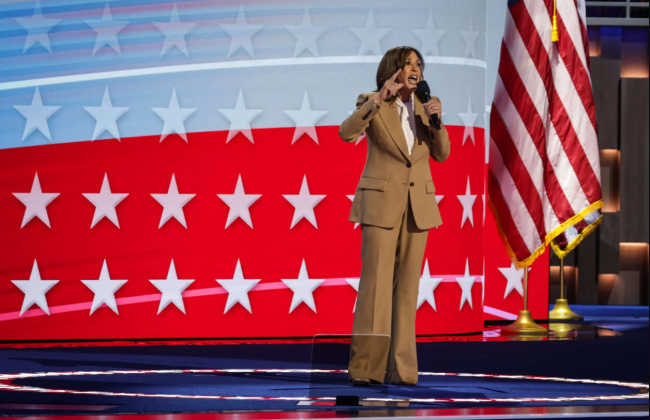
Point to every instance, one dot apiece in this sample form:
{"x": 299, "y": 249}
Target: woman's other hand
{"x": 390, "y": 88}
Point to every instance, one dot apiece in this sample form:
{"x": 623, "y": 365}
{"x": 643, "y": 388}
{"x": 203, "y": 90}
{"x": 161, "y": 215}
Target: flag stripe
{"x": 566, "y": 175}
{"x": 504, "y": 218}
{"x": 544, "y": 168}
{"x": 584, "y": 34}
{"x": 533, "y": 121}
{"x": 518, "y": 171}
{"x": 537, "y": 88}
{"x": 559, "y": 115}
{"x": 576, "y": 104}
{"x": 577, "y": 68}
{"x": 519, "y": 135}
{"x": 517, "y": 206}
{"x": 568, "y": 20}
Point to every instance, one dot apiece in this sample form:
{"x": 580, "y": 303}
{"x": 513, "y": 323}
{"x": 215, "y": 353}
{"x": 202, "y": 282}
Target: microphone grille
{"x": 423, "y": 88}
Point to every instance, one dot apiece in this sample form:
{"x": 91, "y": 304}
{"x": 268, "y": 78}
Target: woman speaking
{"x": 395, "y": 203}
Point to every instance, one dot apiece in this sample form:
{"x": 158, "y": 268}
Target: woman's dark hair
{"x": 393, "y": 60}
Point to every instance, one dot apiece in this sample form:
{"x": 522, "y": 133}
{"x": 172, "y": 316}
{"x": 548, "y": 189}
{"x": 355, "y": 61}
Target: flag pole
{"x": 562, "y": 311}
{"x": 525, "y": 325}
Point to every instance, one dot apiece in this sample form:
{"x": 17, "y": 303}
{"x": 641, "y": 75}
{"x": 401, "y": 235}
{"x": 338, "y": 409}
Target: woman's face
{"x": 411, "y": 73}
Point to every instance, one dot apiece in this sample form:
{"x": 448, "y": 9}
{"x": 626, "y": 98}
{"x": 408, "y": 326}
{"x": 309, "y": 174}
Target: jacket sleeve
{"x": 355, "y": 125}
{"x": 441, "y": 144}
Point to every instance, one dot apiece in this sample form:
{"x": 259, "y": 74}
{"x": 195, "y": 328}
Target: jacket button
{"x": 408, "y": 165}
{"x": 412, "y": 184}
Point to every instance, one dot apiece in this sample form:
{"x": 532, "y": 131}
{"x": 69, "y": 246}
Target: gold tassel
{"x": 556, "y": 35}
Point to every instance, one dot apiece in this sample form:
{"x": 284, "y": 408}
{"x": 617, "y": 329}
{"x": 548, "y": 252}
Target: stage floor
{"x": 601, "y": 364}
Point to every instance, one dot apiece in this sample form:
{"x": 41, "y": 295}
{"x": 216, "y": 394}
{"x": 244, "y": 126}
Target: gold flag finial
{"x": 556, "y": 36}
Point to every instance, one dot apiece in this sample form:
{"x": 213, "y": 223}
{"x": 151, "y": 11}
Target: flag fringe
{"x": 563, "y": 253}
{"x": 551, "y": 236}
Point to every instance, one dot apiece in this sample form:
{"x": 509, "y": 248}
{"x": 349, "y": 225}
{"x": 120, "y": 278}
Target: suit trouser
{"x": 387, "y": 302}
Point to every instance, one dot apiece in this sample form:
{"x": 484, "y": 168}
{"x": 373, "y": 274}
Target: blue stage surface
{"x": 604, "y": 364}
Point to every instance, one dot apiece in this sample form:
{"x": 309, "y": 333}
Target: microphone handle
{"x": 436, "y": 122}
{"x": 434, "y": 118}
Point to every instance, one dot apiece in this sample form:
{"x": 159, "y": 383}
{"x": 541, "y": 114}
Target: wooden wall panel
{"x": 609, "y": 246}
{"x": 635, "y": 160}
{"x": 587, "y": 286}
{"x": 605, "y": 76}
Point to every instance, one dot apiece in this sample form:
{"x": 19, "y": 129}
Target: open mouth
{"x": 413, "y": 79}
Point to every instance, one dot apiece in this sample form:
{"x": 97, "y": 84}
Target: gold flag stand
{"x": 562, "y": 311}
{"x": 525, "y": 325}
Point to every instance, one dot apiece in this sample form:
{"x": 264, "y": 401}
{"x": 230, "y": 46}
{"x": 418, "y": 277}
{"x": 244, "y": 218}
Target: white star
{"x": 174, "y": 32}
{"x": 351, "y": 197}
{"x": 105, "y": 203}
{"x": 106, "y": 115}
{"x": 239, "y": 202}
{"x": 370, "y": 36}
{"x": 173, "y": 204}
{"x": 240, "y": 119}
{"x": 104, "y": 290}
{"x": 174, "y": 117}
{"x": 306, "y": 35}
{"x": 37, "y": 115}
{"x": 430, "y": 37}
{"x": 305, "y": 120}
{"x": 172, "y": 289}
{"x": 37, "y": 28}
{"x": 515, "y": 279}
{"x": 469, "y": 122}
{"x": 35, "y": 290}
{"x": 466, "y": 284}
{"x": 470, "y": 36}
{"x": 361, "y": 137}
{"x": 303, "y": 288}
{"x": 427, "y": 286}
{"x": 238, "y": 289}
{"x": 36, "y": 202}
{"x": 107, "y": 30}
{"x": 241, "y": 34}
{"x": 355, "y": 284}
{"x": 304, "y": 203}
{"x": 467, "y": 201}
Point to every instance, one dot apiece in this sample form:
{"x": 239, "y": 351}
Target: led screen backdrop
{"x": 173, "y": 169}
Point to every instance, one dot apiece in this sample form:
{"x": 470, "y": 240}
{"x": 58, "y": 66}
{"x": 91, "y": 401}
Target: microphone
{"x": 425, "y": 93}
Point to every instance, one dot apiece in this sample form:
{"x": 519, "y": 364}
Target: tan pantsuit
{"x": 391, "y": 260}
{"x": 396, "y": 205}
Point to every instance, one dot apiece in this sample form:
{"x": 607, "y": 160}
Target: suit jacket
{"x": 391, "y": 176}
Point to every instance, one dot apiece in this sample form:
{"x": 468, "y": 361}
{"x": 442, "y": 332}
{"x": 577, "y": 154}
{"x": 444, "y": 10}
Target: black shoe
{"x": 360, "y": 382}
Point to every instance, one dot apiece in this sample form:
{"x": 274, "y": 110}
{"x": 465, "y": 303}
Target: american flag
{"x": 544, "y": 171}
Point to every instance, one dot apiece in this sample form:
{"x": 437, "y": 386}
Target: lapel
{"x": 422, "y": 130}
{"x": 419, "y": 110}
{"x": 389, "y": 114}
